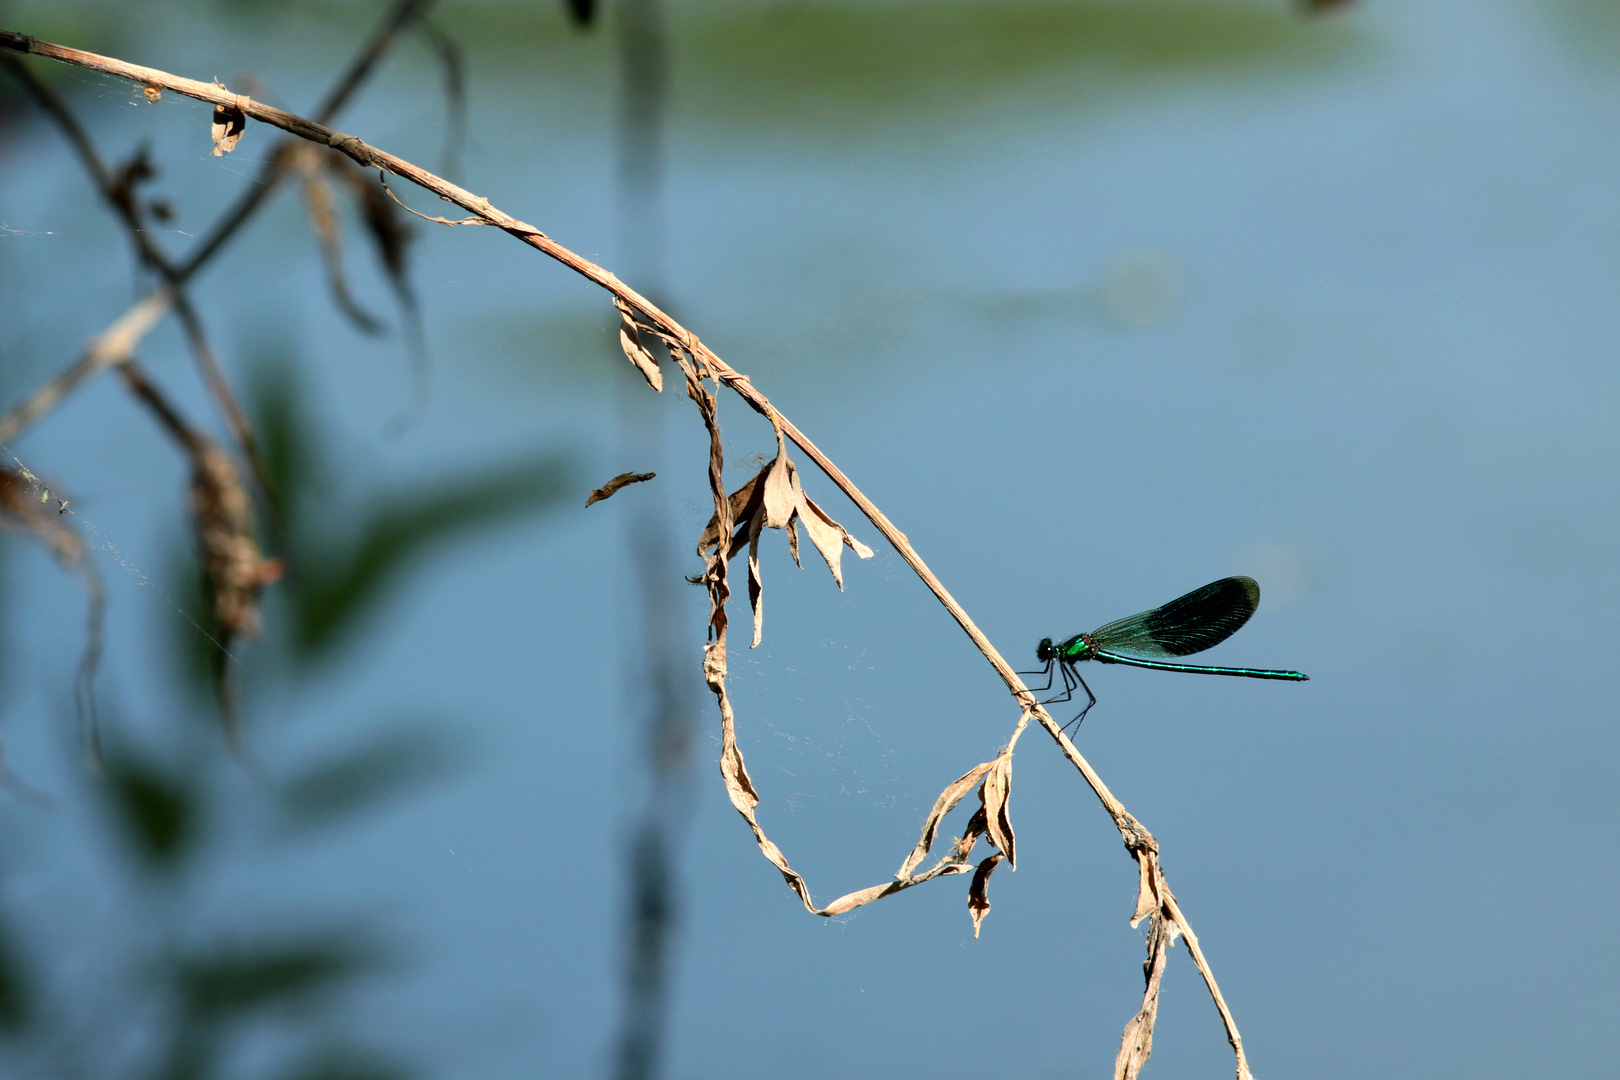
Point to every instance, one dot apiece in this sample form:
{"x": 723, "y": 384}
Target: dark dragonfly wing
{"x": 1200, "y": 620}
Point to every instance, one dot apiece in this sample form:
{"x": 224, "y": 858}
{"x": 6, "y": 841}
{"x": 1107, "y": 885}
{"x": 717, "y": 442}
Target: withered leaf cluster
{"x": 775, "y": 499}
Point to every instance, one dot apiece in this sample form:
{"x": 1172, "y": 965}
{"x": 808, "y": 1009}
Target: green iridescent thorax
{"x": 1076, "y": 648}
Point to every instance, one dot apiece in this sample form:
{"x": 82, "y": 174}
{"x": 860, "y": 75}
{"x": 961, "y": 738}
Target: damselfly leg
{"x": 1047, "y": 671}
{"x": 1091, "y": 699}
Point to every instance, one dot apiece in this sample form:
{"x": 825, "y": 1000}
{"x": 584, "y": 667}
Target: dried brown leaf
{"x": 994, "y": 793}
{"x": 781, "y": 489}
{"x": 943, "y": 805}
{"x": 634, "y": 350}
{"x": 1149, "y": 881}
{"x": 389, "y": 229}
{"x": 979, "y": 892}
{"x": 970, "y": 835}
{"x": 1137, "y": 1041}
{"x": 229, "y": 123}
{"x": 756, "y": 587}
{"x": 850, "y": 901}
{"x": 739, "y": 786}
{"x": 740, "y": 508}
{"x": 622, "y": 480}
{"x": 793, "y": 541}
{"x": 828, "y": 536}
{"x": 221, "y": 513}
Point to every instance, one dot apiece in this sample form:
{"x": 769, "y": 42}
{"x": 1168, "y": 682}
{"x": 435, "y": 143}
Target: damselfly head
{"x": 1044, "y": 651}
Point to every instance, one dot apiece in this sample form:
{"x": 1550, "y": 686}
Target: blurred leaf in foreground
{"x": 341, "y": 583}
{"x": 345, "y": 1063}
{"x": 156, "y": 808}
{"x": 843, "y": 67}
{"x": 237, "y": 979}
{"x": 339, "y": 577}
{"x": 16, "y": 1007}
{"x": 386, "y": 766}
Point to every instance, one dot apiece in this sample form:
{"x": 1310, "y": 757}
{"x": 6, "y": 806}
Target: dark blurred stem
{"x": 653, "y": 908}
{"x": 665, "y": 741}
{"x": 644, "y": 83}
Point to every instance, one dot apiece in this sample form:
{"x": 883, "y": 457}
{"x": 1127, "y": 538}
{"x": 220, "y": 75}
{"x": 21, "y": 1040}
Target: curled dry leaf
{"x": 624, "y": 479}
{"x": 970, "y": 835}
{"x": 634, "y": 350}
{"x": 1137, "y": 1041}
{"x": 979, "y": 892}
{"x": 229, "y": 123}
{"x": 943, "y": 805}
{"x": 994, "y": 793}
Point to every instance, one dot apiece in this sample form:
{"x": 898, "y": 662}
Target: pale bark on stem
{"x": 1138, "y": 841}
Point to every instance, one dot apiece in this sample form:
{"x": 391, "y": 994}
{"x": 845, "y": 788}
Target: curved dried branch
{"x": 699, "y": 363}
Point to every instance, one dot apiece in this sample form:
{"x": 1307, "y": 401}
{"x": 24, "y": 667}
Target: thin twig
{"x": 1138, "y": 841}
{"x": 113, "y": 345}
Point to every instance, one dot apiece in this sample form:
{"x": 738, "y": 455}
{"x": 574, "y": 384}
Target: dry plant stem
{"x": 130, "y": 328}
{"x": 1138, "y": 841}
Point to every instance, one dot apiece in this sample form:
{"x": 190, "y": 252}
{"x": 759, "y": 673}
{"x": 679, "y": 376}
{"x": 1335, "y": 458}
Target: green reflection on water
{"x": 827, "y": 63}
{"x": 837, "y": 67}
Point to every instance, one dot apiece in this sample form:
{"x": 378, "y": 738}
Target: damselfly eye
{"x": 1043, "y": 651}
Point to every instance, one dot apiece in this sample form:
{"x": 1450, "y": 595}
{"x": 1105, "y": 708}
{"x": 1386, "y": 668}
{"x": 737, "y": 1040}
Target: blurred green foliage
{"x": 16, "y": 997}
{"x": 156, "y": 809}
{"x": 345, "y": 783}
{"x": 833, "y": 64}
{"x": 232, "y": 980}
{"x": 1592, "y": 26}
{"x": 344, "y": 1063}
{"x": 837, "y": 68}
{"x": 345, "y": 553}
{"x": 218, "y": 991}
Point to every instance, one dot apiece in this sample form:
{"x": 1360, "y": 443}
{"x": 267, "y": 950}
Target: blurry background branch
{"x": 120, "y": 341}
